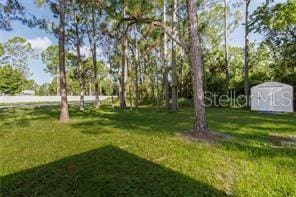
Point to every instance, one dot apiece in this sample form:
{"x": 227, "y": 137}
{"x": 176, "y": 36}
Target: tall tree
{"x": 77, "y": 31}
{"x": 165, "y": 66}
{"x": 124, "y": 68}
{"x": 246, "y": 67}
{"x": 157, "y": 85}
{"x": 92, "y": 19}
{"x": 195, "y": 59}
{"x": 175, "y": 106}
{"x": 136, "y": 69}
{"x": 277, "y": 22}
{"x": 17, "y": 52}
{"x": 94, "y": 56}
{"x": 226, "y": 62}
{"x": 10, "y": 80}
{"x": 200, "y": 124}
{"x": 50, "y": 57}
{"x": 64, "y": 113}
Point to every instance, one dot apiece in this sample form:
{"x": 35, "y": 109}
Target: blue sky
{"x": 40, "y": 39}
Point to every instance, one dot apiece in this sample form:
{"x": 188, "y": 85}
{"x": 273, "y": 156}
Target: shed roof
{"x": 272, "y": 84}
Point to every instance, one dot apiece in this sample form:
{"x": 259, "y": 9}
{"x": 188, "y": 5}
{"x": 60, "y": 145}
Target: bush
{"x": 184, "y": 102}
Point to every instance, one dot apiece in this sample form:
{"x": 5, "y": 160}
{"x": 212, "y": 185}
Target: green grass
{"x": 139, "y": 153}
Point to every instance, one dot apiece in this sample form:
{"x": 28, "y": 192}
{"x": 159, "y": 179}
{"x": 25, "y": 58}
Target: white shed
{"x": 272, "y": 97}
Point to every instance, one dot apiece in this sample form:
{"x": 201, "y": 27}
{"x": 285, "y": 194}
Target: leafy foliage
{"x": 50, "y": 57}
{"x": 10, "y": 80}
{"x": 278, "y": 23}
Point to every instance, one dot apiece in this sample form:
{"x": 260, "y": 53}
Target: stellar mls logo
{"x": 231, "y": 99}
{"x": 274, "y": 99}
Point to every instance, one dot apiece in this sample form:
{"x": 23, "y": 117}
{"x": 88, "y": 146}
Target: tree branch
{"x": 159, "y": 24}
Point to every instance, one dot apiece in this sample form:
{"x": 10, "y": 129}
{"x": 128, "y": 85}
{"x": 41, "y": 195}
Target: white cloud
{"x": 40, "y": 43}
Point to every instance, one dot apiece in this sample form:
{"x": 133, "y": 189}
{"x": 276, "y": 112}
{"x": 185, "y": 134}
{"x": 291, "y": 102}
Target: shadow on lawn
{"x": 151, "y": 122}
{"x": 254, "y": 151}
{"x": 234, "y": 120}
{"x": 23, "y": 116}
{"x": 145, "y": 121}
{"x": 107, "y": 171}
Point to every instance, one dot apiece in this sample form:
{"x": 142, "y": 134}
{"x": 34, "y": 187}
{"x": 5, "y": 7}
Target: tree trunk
{"x": 197, "y": 69}
{"x": 130, "y": 97}
{"x": 182, "y": 89}
{"x": 175, "y": 106}
{"x": 226, "y": 62}
{"x": 136, "y": 72}
{"x": 123, "y": 76}
{"x": 152, "y": 78}
{"x": 165, "y": 68}
{"x": 140, "y": 70}
{"x": 111, "y": 84}
{"x": 182, "y": 75}
{"x": 157, "y": 87}
{"x": 80, "y": 69}
{"x": 94, "y": 58}
{"x": 129, "y": 85}
{"x": 123, "y": 71}
{"x": 136, "y": 88}
{"x": 57, "y": 76}
{"x": 96, "y": 81}
{"x": 246, "y": 68}
{"x": 64, "y": 114}
{"x": 90, "y": 91}
{"x": 122, "y": 84}
{"x": 23, "y": 82}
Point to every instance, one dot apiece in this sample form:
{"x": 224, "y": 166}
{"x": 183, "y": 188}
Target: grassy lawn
{"x": 136, "y": 153}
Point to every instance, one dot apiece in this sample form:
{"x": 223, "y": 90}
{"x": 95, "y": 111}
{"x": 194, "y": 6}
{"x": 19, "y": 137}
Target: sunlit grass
{"x": 39, "y": 155}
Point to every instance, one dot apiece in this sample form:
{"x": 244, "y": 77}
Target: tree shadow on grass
{"x": 23, "y": 116}
{"x": 254, "y": 151}
{"x": 143, "y": 121}
{"x": 107, "y": 171}
{"x": 231, "y": 120}
{"x": 245, "y": 126}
